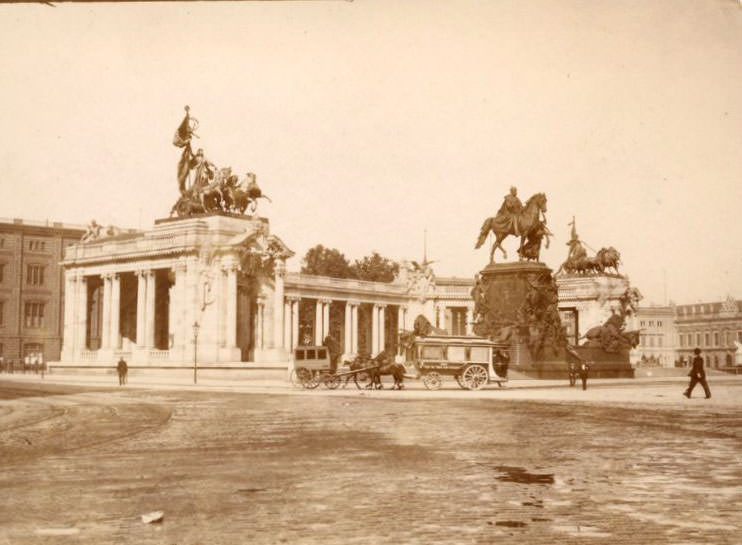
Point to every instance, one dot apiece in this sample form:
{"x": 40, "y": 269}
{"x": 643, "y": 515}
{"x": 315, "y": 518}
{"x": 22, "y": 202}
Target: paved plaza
{"x": 540, "y": 463}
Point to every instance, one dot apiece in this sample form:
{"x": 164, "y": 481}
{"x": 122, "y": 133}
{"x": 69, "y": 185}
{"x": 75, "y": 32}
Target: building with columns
{"x": 138, "y": 296}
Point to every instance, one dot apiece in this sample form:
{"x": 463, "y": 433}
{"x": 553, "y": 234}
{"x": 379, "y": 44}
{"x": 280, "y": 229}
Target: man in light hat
{"x": 697, "y": 375}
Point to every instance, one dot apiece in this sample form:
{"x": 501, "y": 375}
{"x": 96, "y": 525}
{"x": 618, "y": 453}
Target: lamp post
{"x": 196, "y": 327}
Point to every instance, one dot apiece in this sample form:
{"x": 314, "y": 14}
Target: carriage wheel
{"x": 432, "y": 381}
{"x": 331, "y": 382}
{"x": 308, "y": 379}
{"x": 474, "y": 377}
{"x": 362, "y": 380}
{"x": 460, "y": 382}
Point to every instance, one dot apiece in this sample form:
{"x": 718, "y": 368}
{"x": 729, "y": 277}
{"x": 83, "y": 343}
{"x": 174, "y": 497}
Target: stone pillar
{"x": 177, "y": 325}
{"x": 382, "y": 328}
{"x": 106, "y": 314}
{"x": 81, "y": 322}
{"x": 115, "y": 337}
{"x": 259, "y": 323}
{"x": 401, "y": 317}
{"x": 231, "y": 322}
{"x": 295, "y": 323}
{"x": 287, "y": 341}
{"x": 354, "y": 328}
{"x": 149, "y": 339}
{"x": 278, "y": 280}
{"x": 374, "y": 330}
{"x": 348, "y": 329}
{"x": 68, "y": 332}
{"x": 325, "y": 319}
{"x": 469, "y": 321}
{"x": 141, "y": 304}
{"x": 318, "y": 323}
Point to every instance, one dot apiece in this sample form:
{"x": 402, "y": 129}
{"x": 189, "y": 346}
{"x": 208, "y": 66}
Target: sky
{"x": 369, "y": 122}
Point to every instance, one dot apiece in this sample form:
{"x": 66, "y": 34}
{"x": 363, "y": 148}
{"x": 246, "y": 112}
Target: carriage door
{"x": 245, "y": 322}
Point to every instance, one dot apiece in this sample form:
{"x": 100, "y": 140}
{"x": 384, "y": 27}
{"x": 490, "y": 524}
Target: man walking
{"x": 584, "y": 372}
{"x": 697, "y": 375}
{"x": 122, "y": 369}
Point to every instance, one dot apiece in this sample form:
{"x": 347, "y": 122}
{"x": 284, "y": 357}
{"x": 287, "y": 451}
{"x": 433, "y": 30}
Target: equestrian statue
{"x": 514, "y": 218}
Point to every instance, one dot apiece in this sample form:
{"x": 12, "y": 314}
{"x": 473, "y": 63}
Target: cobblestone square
{"x": 80, "y": 465}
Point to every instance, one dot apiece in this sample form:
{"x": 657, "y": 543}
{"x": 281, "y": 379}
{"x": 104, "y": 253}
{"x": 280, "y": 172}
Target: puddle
{"x": 511, "y": 523}
{"x": 514, "y": 474}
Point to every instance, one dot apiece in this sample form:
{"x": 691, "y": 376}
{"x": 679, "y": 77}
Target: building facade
{"x": 714, "y": 327}
{"x": 658, "y": 340}
{"x": 32, "y": 286}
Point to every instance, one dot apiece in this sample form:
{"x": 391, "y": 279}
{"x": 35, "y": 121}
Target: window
{"x": 651, "y": 341}
{"x": 311, "y": 354}
{"x": 641, "y": 324}
{"x": 300, "y": 354}
{"x": 706, "y": 339}
{"x": 34, "y": 314}
{"x": 321, "y": 354}
{"x": 35, "y": 275}
{"x": 659, "y": 323}
{"x": 432, "y": 353}
{"x": 698, "y": 339}
{"x": 479, "y": 353}
{"x": 716, "y": 338}
{"x": 682, "y": 341}
{"x": 729, "y": 338}
{"x": 2, "y": 243}
{"x": 456, "y": 353}
{"x": 651, "y": 323}
{"x": 659, "y": 341}
{"x": 36, "y": 245}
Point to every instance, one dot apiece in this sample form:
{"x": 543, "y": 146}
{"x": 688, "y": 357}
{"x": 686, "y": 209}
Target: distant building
{"x": 32, "y": 286}
{"x": 658, "y": 340}
{"x": 712, "y": 327}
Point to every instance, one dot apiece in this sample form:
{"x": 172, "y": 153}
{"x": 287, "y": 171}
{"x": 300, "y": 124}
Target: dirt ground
{"x": 81, "y": 465}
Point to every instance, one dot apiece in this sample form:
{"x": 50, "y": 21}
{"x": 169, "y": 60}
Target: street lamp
{"x": 196, "y": 327}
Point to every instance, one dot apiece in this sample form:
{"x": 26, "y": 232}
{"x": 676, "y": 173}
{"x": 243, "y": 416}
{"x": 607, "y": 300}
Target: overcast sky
{"x": 368, "y": 122}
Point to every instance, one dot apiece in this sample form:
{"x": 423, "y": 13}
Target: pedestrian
{"x": 697, "y": 375}
{"x": 122, "y": 369}
{"x": 584, "y": 371}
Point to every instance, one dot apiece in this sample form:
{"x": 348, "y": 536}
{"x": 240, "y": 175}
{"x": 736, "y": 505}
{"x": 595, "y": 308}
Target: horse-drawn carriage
{"x": 313, "y": 365}
{"x": 473, "y": 362}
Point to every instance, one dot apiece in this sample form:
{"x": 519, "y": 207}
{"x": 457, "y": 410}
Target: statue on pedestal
{"x": 578, "y": 262}
{"x": 514, "y": 218}
{"x": 211, "y": 189}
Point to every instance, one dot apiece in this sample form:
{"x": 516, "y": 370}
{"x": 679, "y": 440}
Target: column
{"x": 82, "y": 313}
{"x": 382, "y": 328}
{"x": 178, "y": 326}
{"x": 106, "y": 314}
{"x": 278, "y": 278}
{"x": 354, "y": 327}
{"x": 401, "y": 317}
{"x": 374, "y": 330}
{"x": 287, "y": 341}
{"x": 141, "y": 303}
{"x": 347, "y": 329}
{"x": 259, "y": 316}
{"x": 115, "y": 336}
{"x": 294, "y": 323}
{"x": 469, "y": 321}
{"x": 325, "y": 319}
{"x": 150, "y": 310}
{"x": 68, "y": 332}
{"x": 231, "y": 325}
{"x": 318, "y": 323}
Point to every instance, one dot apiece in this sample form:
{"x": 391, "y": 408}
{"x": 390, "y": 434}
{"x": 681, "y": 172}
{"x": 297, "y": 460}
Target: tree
{"x": 326, "y": 262}
{"x": 375, "y": 268}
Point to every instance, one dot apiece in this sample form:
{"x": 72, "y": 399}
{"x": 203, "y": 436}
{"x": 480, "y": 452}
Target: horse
{"x": 609, "y": 258}
{"x": 502, "y": 227}
{"x": 381, "y": 365}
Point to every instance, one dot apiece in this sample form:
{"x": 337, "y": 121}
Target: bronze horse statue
{"x": 502, "y": 226}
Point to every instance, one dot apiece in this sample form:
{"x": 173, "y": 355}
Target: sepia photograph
{"x": 344, "y": 272}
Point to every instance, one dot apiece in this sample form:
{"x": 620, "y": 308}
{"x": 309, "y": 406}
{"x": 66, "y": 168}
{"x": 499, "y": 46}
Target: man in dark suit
{"x": 122, "y": 369}
{"x": 697, "y": 375}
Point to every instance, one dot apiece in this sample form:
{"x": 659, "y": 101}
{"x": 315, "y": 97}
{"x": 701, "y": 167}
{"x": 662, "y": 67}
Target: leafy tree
{"x": 326, "y": 262}
{"x": 375, "y": 268}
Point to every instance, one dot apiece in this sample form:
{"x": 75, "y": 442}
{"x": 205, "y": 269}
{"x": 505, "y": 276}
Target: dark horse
{"x": 381, "y": 365}
{"x": 502, "y": 225}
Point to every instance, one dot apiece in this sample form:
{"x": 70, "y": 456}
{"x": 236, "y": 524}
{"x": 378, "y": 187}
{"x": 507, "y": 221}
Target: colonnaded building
{"x": 216, "y": 287}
